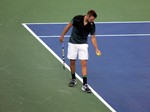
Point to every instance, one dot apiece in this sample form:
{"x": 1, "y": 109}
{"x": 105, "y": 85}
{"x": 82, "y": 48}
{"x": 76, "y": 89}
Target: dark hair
{"x": 92, "y": 13}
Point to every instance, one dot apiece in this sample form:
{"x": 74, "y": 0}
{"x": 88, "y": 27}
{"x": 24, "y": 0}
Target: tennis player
{"x": 83, "y": 25}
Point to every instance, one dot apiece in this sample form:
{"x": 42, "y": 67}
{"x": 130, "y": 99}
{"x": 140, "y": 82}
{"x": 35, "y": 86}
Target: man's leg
{"x": 73, "y": 81}
{"x": 85, "y": 86}
{"x": 84, "y": 71}
{"x": 73, "y": 68}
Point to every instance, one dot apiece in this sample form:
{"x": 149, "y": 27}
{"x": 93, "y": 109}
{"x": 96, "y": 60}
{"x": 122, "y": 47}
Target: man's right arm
{"x": 68, "y": 26}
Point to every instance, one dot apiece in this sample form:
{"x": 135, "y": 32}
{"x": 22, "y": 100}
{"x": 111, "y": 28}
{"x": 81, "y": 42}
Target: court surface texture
{"x": 120, "y": 75}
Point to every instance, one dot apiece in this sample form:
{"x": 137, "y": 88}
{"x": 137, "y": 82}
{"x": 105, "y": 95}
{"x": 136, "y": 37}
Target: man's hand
{"x": 98, "y": 52}
{"x": 61, "y": 39}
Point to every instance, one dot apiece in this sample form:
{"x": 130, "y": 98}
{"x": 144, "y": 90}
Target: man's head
{"x": 91, "y": 15}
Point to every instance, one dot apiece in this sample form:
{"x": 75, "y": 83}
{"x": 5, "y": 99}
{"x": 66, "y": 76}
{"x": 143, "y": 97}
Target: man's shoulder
{"x": 78, "y": 17}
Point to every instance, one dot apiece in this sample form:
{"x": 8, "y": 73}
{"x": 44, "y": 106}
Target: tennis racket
{"x": 63, "y": 55}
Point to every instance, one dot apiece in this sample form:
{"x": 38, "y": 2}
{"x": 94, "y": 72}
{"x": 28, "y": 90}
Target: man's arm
{"x": 68, "y": 26}
{"x": 94, "y": 42}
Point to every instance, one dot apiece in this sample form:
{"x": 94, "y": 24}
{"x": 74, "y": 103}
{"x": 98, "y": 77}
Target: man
{"x": 83, "y": 25}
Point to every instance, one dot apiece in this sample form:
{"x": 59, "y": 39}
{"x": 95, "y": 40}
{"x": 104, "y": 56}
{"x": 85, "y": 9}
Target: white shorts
{"x": 80, "y": 50}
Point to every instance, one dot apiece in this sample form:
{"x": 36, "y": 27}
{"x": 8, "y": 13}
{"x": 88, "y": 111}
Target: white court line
{"x": 50, "y": 50}
{"x": 120, "y": 22}
{"x": 113, "y": 35}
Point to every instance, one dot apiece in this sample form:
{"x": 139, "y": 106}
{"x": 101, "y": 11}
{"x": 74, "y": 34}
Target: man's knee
{"x": 83, "y": 62}
{"x": 72, "y": 62}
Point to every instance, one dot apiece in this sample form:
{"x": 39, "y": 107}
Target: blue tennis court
{"x": 121, "y": 75}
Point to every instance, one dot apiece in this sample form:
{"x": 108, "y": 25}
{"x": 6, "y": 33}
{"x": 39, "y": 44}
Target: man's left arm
{"x": 94, "y": 42}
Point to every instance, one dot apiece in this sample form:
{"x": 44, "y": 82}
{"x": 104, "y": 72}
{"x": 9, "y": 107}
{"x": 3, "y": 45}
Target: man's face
{"x": 91, "y": 19}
